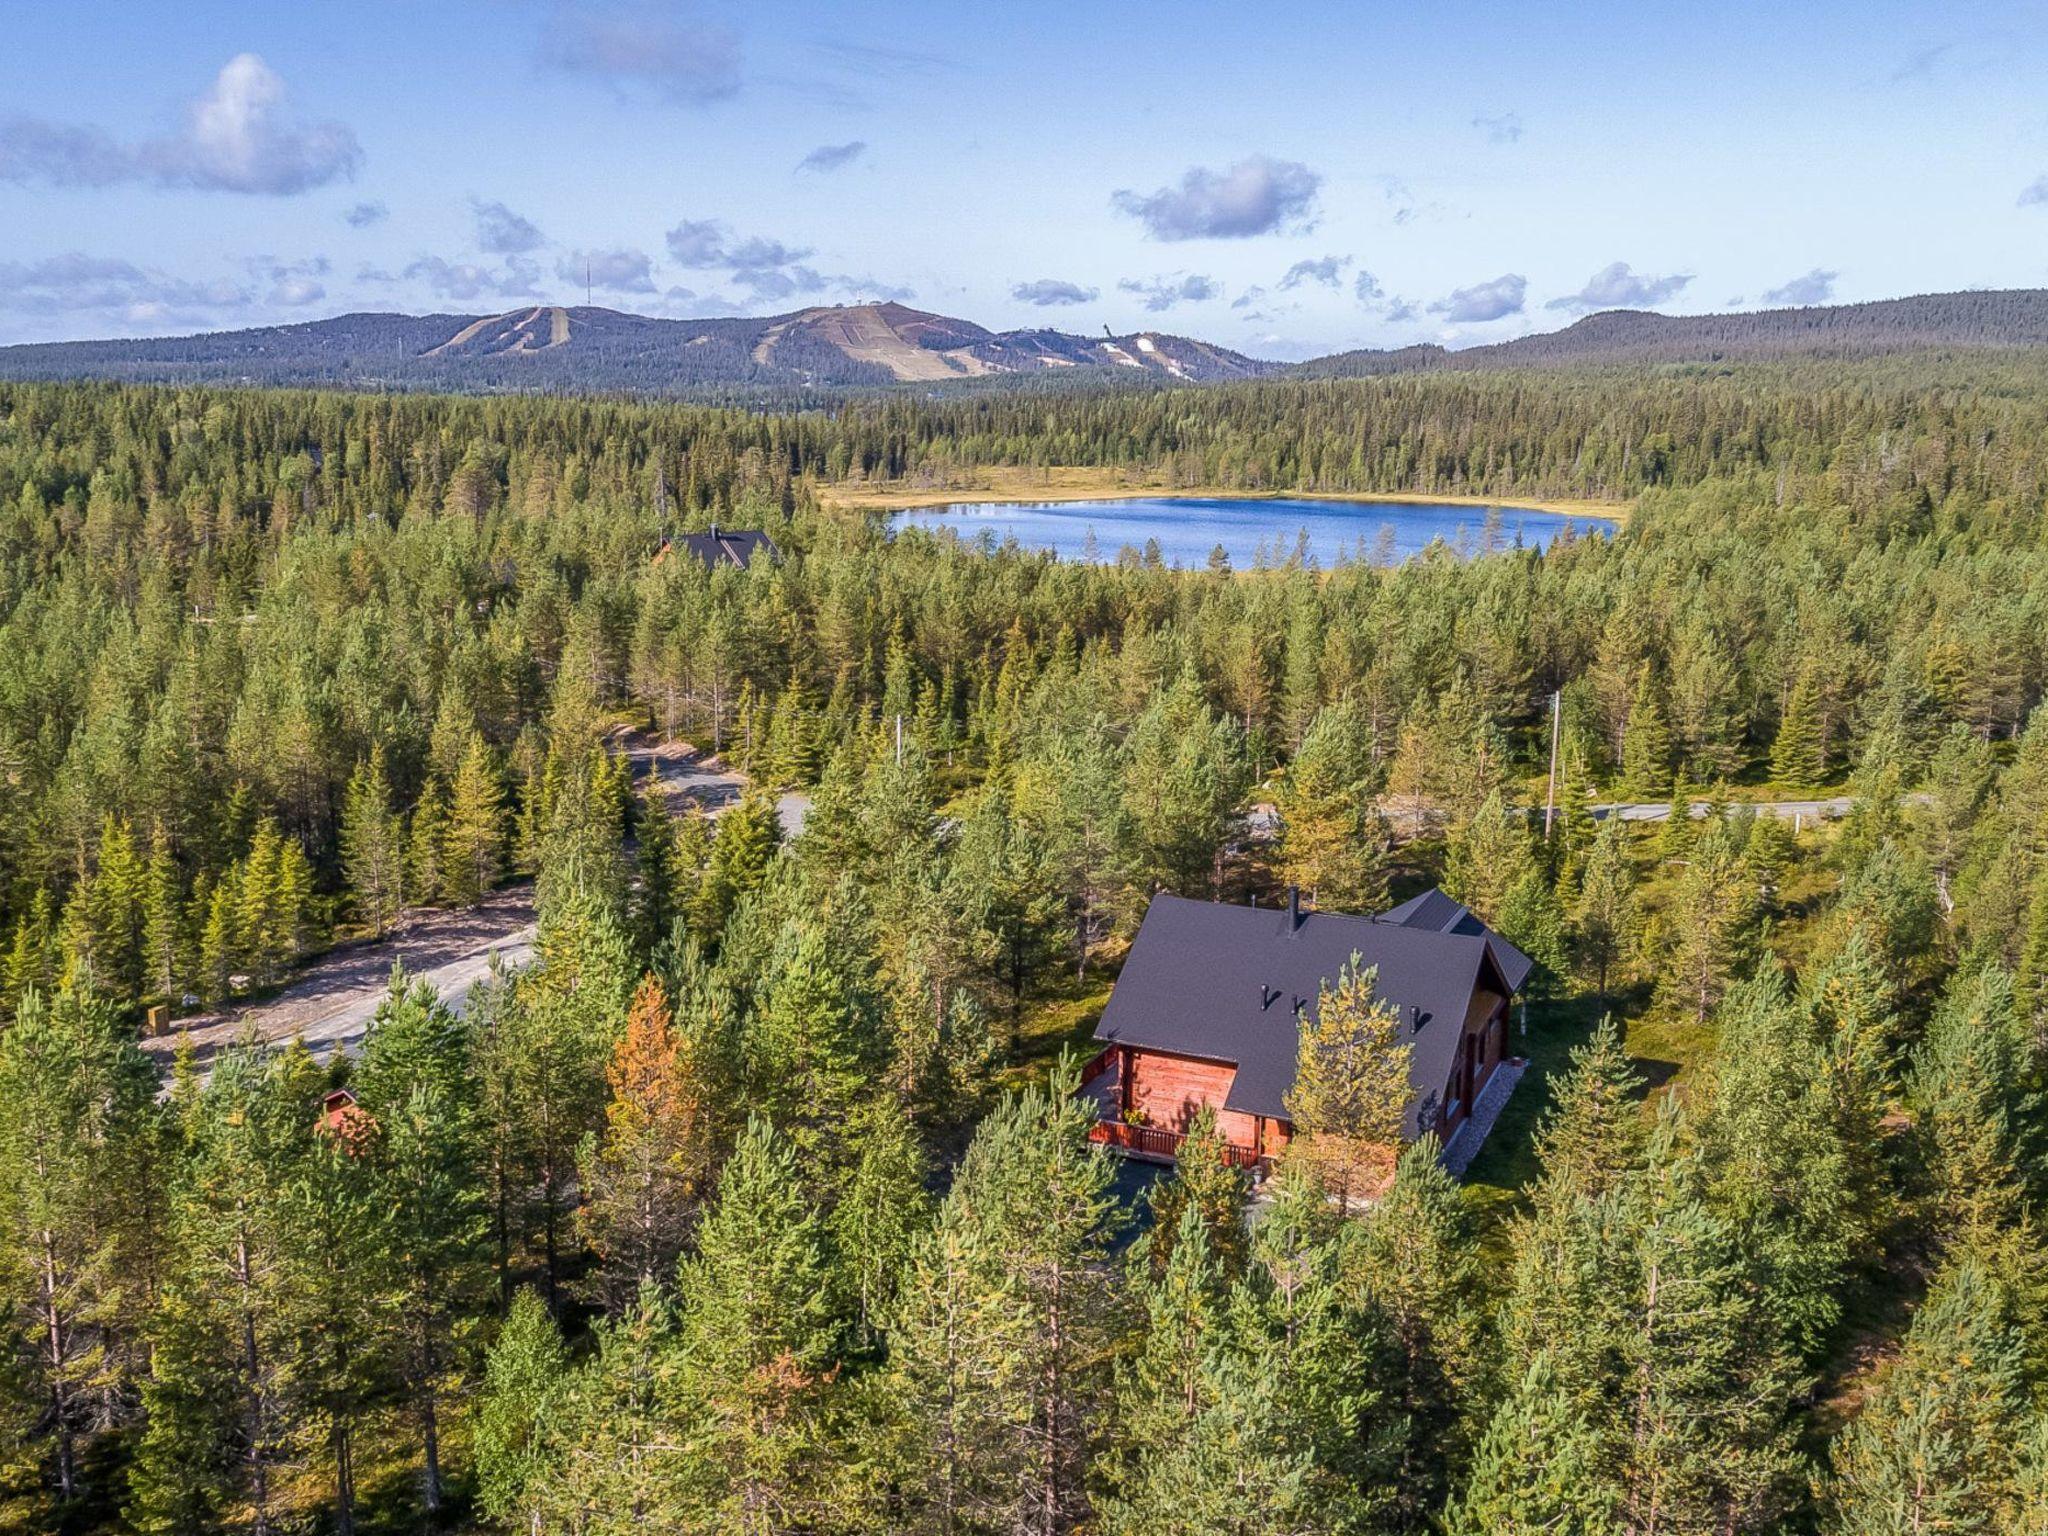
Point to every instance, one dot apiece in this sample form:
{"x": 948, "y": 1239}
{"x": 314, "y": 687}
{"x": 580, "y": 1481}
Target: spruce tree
{"x": 426, "y": 847}
{"x": 1798, "y": 752}
{"x": 166, "y": 951}
{"x": 1606, "y": 915}
{"x": 1646, "y": 742}
{"x": 1333, "y": 842}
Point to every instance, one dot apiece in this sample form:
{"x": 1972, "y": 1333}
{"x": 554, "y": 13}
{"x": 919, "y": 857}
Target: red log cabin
{"x": 1206, "y": 1013}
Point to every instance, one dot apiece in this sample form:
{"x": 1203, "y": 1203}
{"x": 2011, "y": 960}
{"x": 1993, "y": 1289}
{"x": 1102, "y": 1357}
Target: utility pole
{"x": 1550, "y": 794}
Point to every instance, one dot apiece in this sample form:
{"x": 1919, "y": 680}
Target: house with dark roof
{"x": 724, "y": 546}
{"x": 1207, "y": 1013}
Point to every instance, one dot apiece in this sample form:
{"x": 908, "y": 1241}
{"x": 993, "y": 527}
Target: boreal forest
{"x": 758, "y": 1198}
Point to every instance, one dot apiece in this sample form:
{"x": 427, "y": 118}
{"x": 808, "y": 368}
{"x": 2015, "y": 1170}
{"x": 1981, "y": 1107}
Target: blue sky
{"x": 1285, "y": 180}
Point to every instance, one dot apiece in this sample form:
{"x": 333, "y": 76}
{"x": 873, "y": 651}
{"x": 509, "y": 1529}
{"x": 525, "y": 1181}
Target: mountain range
{"x": 590, "y": 348}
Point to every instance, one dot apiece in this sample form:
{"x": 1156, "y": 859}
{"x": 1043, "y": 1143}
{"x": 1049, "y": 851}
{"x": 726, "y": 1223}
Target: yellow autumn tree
{"x": 644, "y": 1177}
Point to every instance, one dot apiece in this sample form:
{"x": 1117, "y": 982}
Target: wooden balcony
{"x": 1151, "y": 1143}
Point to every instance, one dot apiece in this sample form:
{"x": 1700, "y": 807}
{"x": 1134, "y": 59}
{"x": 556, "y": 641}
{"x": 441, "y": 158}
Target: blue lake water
{"x": 1252, "y": 531}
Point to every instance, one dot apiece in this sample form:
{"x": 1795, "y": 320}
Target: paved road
{"x": 330, "y": 1002}
{"x": 1784, "y": 810}
{"x": 1262, "y": 822}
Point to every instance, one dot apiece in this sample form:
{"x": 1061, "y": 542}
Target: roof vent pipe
{"x": 1293, "y": 907}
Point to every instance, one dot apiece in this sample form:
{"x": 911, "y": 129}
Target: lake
{"x": 1251, "y": 530}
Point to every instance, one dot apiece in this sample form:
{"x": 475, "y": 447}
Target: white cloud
{"x": 1327, "y": 270}
{"x": 832, "y": 157}
{"x": 501, "y": 232}
{"x": 1180, "y": 288}
{"x": 464, "y": 280}
{"x": 1614, "y": 286}
{"x": 1257, "y": 196}
{"x": 1815, "y": 287}
{"x": 1505, "y": 128}
{"x": 293, "y": 284}
{"x": 238, "y": 136}
{"x": 616, "y": 271}
{"x": 74, "y": 282}
{"x": 655, "y": 47}
{"x": 1049, "y": 291}
{"x": 1483, "y": 301}
{"x": 363, "y": 215}
{"x": 2035, "y": 193}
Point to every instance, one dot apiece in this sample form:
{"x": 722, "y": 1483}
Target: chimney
{"x": 1293, "y": 907}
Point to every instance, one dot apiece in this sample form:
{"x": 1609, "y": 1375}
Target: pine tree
{"x": 341, "y": 1282}
{"x": 1206, "y": 1182}
{"x": 73, "y": 1097}
{"x": 1606, "y": 916}
{"x": 1415, "y": 1270}
{"x": 998, "y": 1346}
{"x": 372, "y": 851}
{"x": 1936, "y": 1445}
{"x": 1333, "y": 842}
{"x": 880, "y": 1211}
{"x": 473, "y": 839}
{"x": 1350, "y": 1092}
{"x": 414, "y": 1082}
{"x": 1537, "y": 1469}
{"x": 223, "y": 1415}
{"x": 1167, "y": 1386}
{"x": 758, "y": 1333}
{"x": 519, "y": 1419}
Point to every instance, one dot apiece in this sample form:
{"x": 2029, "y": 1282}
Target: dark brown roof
{"x": 1221, "y": 982}
{"x": 729, "y": 546}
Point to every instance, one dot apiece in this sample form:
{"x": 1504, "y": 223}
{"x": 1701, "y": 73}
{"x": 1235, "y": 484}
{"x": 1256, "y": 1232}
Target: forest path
{"x": 330, "y": 1001}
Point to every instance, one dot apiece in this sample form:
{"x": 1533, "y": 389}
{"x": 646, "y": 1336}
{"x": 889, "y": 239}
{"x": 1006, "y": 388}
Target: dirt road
{"x": 330, "y": 1002}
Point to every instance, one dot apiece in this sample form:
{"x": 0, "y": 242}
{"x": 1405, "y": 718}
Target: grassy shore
{"x": 1075, "y": 483}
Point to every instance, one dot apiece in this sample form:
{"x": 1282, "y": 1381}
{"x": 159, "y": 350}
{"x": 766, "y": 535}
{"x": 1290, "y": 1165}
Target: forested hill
{"x": 841, "y": 348}
{"x": 548, "y": 348}
{"x": 1930, "y": 322}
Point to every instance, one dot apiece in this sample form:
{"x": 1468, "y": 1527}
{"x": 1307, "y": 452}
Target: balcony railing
{"x": 1154, "y": 1142}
